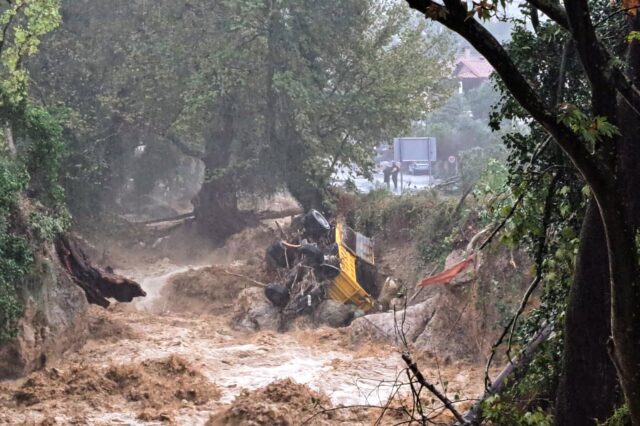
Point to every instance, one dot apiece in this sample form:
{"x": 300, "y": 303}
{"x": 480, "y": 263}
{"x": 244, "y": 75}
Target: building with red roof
{"x": 471, "y": 70}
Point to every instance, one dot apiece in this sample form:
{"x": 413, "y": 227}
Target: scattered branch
{"x": 258, "y": 283}
{"x": 406, "y": 357}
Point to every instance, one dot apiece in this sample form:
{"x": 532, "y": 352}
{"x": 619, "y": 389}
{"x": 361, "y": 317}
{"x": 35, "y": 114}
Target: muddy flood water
{"x": 144, "y": 365}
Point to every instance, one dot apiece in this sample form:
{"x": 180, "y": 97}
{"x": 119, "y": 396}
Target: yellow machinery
{"x": 345, "y": 287}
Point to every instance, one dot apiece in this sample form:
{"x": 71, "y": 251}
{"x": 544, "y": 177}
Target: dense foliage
{"x": 259, "y": 91}
{"x": 32, "y": 206}
{"x": 544, "y": 204}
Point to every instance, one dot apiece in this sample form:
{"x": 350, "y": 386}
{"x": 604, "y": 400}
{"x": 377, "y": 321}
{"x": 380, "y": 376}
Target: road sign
{"x": 414, "y": 149}
{"x": 452, "y": 159}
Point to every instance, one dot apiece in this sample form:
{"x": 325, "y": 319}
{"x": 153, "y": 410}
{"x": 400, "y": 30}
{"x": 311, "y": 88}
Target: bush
{"x": 28, "y": 221}
{"x": 15, "y": 253}
{"x": 621, "y": 417}
{"x": 424, "y": 217}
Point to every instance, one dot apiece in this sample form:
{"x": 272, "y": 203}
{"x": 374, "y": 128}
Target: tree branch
{"x": 553, "y": 10}
{"x": 591, "y": 53}
{"x": 614, "y": 76}
{"x": 8, "y": 24}
{"x": 593, "y": 50}
{"x": 406, "y": 357}
{"x": 541, "y": 251}
{"x": 483, "y": 41}
{"x": 184, "y": 148}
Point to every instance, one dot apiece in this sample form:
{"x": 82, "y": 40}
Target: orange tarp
{"x": 446, "y": 276}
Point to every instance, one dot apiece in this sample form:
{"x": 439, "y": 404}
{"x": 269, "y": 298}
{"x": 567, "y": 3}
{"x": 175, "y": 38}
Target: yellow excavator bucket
{"x": 345, "y": 287}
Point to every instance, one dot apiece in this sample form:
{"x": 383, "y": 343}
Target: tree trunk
{"x": 304, "y": 193}
{"x": 216, "y": 209}
{"x": 625, "y": 224}
{"x": 625, "y": 298}
{"x": 216, "y": 205}
{"x": 588, "y": 382}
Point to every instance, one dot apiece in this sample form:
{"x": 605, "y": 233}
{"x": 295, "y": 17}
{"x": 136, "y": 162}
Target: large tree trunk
{"x": 616, "y": 203}
{"x": 216, "y": 209}
{"x": 216, "y": 205}
{"x": 625, "y": 298}
{"x": 625, "y": 222}
{"x": 587, "y": 389}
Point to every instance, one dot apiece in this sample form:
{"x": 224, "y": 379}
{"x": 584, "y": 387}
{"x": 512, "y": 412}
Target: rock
{"x": 254, "y": 312}
{"x": 55, "y": 319}
{"x": 435, "y": 325}
{"x": 449, "y": 331}
{"x": 383, "y": 326}
{"x": 333, "y": 314}
{"x": 390, "y": 290}
{"x": 397, "y": 303}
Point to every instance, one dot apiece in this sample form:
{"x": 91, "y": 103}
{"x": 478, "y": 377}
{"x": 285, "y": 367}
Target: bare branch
{"x": 540, "y": 253}
{"x": 406, "y": 357}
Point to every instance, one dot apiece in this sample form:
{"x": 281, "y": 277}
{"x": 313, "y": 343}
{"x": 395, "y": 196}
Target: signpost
{"x": 414, "y": 149}
{"x": 452, "y": 160}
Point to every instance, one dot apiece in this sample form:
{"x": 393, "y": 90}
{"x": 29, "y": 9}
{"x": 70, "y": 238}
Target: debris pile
{"x": 155, "y": 388}
{"x": 324, "y": 272}
{"x": 283, "y": 403}
{"x": 210, "y": 290}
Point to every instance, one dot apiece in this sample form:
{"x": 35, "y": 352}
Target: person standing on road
{"x": 387, "y": 174}
{"x": 394, "y": 175}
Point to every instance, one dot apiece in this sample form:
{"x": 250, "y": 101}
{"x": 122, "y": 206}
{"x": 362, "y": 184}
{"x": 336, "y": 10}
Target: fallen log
{"x": 97, "y": 283}
{"x": 189, "y": 215}
{"x": 263, "y": 215}
{"x": 277, "y": 214}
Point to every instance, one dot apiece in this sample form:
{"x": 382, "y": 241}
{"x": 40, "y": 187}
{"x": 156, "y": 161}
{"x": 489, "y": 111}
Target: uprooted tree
{"x": 601, "y": 146}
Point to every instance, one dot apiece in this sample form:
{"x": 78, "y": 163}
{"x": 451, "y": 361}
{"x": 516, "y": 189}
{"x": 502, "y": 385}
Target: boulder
{"x": 385, "y": 326}
{"x": 254, "y": 312}
{"x": 448, "y": 333}
{"x": 389, "y": 291}
{"x": 333, "y": 314}
{"x": 440, "y": 324}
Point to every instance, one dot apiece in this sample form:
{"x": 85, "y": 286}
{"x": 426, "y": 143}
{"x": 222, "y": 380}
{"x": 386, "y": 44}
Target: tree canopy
{"x": 258, "y": 90}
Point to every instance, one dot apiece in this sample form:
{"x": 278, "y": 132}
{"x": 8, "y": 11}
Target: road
{"x": 406, "y": 182}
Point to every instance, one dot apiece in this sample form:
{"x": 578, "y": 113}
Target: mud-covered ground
{"x": 158, "y": 362}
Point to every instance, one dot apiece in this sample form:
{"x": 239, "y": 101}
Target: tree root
{"x": 97, "y": 283}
